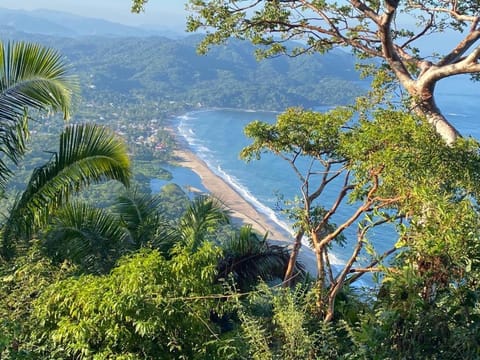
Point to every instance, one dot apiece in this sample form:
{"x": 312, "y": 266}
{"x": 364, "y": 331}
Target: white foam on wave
{"x": 458, "y": 115}
{"x": 262, "y": 208}
{"x": 195, "y": 145}
{"x": 205, "y": 155}
{"x": 184, "y": 131}
{"x": 247, "y": 195}
{"x": 185, "y": 117}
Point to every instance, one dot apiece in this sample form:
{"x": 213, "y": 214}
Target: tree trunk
{"x": 297, "y": 244}
{"x": 320, "y": 285}
{"x": 441, "y": 125}
{"x": 422, "y": 92}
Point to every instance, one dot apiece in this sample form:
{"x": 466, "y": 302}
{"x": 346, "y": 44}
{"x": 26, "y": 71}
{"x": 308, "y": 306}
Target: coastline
{"x": 241, "y": 211}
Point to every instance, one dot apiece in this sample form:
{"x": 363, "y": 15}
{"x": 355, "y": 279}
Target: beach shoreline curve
{"x": 241, "y": 211}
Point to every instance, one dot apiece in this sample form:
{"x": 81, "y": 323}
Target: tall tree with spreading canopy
{"x": 389, "y": 30}
{"x": 387, "y": 168}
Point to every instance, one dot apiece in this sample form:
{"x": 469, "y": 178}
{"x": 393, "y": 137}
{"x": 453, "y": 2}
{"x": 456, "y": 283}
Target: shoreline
{"x": 241, "y": 211}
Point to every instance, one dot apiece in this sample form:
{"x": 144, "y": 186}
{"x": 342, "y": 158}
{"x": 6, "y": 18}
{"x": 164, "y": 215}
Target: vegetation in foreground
{"x": 127, "y": 282}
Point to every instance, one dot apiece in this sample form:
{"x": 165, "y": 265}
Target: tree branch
{"x": 460, "y": 49}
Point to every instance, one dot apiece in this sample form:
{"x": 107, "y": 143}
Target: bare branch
{"x": 365, "y": 270}
{"x": 331, "y": 278}
{"x": 427, "y": 27}
{"x": 346, "y": 188}
{"x": 460, "y": 49}
{"x": 366, "y": 10}
{"x": 371, "y": 265}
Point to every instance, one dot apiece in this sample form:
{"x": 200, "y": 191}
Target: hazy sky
{"x": 167, "y": 13}
{"x": 159, "y": 13}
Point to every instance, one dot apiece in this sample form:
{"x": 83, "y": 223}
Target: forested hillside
{"x": 160, "y": 69}
{"x": 116, "y": 272}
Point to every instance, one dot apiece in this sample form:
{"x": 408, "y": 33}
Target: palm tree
{"x": 87, "y": 154}
{"x": 245, "y": 255}
{"x": 248, "y": 258}
{"x": 141, "y": 216}
{"x": 90, "y": 237}
{"x": 31, "y": 77}
{"x": 202, "y": 218}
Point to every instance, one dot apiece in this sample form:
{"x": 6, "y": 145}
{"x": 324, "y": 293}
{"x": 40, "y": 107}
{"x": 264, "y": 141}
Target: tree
{"x": 389, "y": 167}
{"x": 87, "y": 154}
{"x": 309, "y": 143}
{"x": 146, "y": 307}
{"x": 371, "y": 28}
{"x": 31, "y": 77}
{"x": 91, "y": 238}
{"x": 248, "y": 258}
{"x": 277, "y": 323}
{"x": 200, "y": 221}
{"x": 141, "y": 217}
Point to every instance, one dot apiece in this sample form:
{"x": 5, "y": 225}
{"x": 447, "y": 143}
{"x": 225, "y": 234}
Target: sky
{"x": 162, "y": 14}
{"x": 159, "y": 13}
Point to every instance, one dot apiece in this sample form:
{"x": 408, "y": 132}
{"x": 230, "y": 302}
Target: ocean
{"x": 216, "y": 136}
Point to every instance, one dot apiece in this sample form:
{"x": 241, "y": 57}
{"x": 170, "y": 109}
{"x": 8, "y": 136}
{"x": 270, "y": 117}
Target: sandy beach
{"x": 241, "y": 210}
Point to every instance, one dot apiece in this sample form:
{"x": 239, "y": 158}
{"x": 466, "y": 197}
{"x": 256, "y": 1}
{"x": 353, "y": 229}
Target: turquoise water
{"x": 216, "y": 136}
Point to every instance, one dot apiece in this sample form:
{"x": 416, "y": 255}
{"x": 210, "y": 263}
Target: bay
{"x": 216, "y": 136}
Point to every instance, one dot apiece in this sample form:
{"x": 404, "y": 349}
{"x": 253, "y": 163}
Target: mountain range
{"x": 129, "y": 63}
{"x": 57, "y": 23}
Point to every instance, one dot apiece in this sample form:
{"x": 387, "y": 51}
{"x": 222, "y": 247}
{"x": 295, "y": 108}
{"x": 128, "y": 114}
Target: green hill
{"x": 133, "y": 69}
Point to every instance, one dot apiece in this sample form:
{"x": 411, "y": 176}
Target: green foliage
{"x": 200, "y": 221}
{"x": 145, "y": 307}
{"x": 403, "y": 146}
{"x": 87, "y": 154}
{"x": 286, "y": 328}
{"x": 248, "y": 258}
{"x": 138, "y": 5}
{"x": 31, "y": 77}
{"x": 298, "y": 131}
{"x": 141, "y": 217}
{"x": 148, "y": 304}
{"x": 173, "y": 201}
{"x": 89, "y": 237}
{"x": 20, "y": 284}
{"x": 404, "y": 326}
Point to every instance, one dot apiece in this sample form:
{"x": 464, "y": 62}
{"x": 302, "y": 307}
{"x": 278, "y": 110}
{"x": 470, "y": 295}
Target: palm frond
{"x": 134, "y": 207}
{"x": 13, "y": 136}
{"x": 35, "y": 76}
{"x": 86, "y": 236}
{"x": 31, "y": 76}
{"x": 87, "y": 154}
{"x": 203, "y": 216}
{"x": 250, "y": 258}
{"x": 141, "y": 215}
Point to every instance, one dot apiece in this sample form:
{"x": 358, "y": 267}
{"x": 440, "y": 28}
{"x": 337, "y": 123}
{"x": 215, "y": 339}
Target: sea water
{"x": 217, "y": 137}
